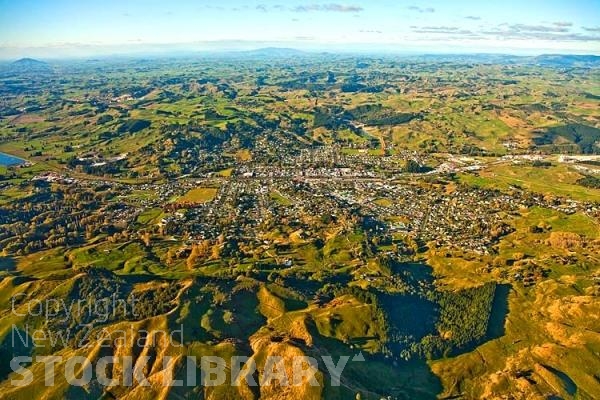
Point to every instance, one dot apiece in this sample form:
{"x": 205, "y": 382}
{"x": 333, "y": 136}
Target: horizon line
{"x": 241, "y": 46}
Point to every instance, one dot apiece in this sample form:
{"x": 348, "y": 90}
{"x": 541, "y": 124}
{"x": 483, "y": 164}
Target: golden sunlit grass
{"x": 199, "y": 195}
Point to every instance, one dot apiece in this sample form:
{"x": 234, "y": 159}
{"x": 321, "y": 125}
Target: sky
{"x": 72, "y": 28}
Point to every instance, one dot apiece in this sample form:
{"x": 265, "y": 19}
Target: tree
{"x": 194, "y": 254}
{"x": 146, "y": 238}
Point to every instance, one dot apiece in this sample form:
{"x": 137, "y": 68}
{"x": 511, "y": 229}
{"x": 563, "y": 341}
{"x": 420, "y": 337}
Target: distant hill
{"x": 547, "y": 60}
{"x": 470, "y": 58}
{"x": 29, "y": 62}
{"x": 551, "y": 60}
{"x": 29, "y": 65}
{"x": 276, "y": 51}
{"x": 566, "y": 60}
{"x": 269, "y": 52}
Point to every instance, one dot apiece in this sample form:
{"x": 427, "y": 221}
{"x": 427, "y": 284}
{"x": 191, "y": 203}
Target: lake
{"x": 7, "y": 159}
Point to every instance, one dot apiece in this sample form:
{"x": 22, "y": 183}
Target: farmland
{"x": 439, "y": 215}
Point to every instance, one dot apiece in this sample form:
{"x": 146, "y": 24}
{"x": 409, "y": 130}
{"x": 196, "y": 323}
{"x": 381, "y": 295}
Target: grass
{"x": 226, "y": 173}
{"x": 383, "y": 202}
{"x": 531, "y": 338}
{"x": 534, "y": 336}
{"x": 11, "y": 194}
{"x": 149, "y": 216}
{"x": 349, "y": 136}
{"x": 44, "y": 264}
{"x": 576, "y": 223}
{"x": 127, "y": 258}
{"x": 280, "y": 199}
{"x": 557, "y": 180}
{"x": 350, "y": 320}
{"x": 350, "y": 152}
{"x": 199, "y": 195}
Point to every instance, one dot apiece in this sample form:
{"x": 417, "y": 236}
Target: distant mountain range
{"x": 551, "y": 60}
{"x": 30, "y": 65}
{"x": 275, "y": 51}
{"x": 266, "y": 52}
{"x": 548, "y": 60}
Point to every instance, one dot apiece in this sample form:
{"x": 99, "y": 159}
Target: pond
{"x": 7, "y": 159}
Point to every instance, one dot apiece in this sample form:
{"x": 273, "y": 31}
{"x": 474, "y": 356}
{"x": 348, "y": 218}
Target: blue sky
{"x": 81, "y": 27}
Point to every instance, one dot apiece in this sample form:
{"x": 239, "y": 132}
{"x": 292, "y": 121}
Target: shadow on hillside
{"x": 430, "y": 324}
{"x": 7, "y": 264}
{"x": 15, "y": 344}
{"x": 499, "y": 312}
{"x": 422, "y": 324}
{"x": 374, "y": 378}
